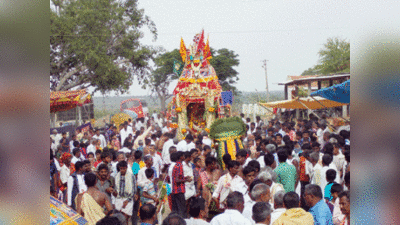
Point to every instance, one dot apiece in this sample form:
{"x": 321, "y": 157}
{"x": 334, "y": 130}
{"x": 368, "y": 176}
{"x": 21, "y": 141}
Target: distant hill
{"x": 112, "y": 104}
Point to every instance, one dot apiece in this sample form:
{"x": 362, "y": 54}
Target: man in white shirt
{"x": 247, "y": 161}
{"x": 282, "y": 130}
{"x": 129, "y": 126}
{"x": 157, "y": 161}
{"x": 259, "y": 193}
{"x": 103, "y": 142}
{"x": 316, "y": 176}
{"x": 141, "y": 137}
{"x": 65, "y": 171}
{"x": 320, "y": 133}
{"x": 91, "y": 147}
{"x": 141, "y": 178}
{"x": 228, "y": 183}
{"x": 262, "y": 213}
{"x": 56, "y": 137}
{"x": 326, "y": 165}
{"x": 190, "y": 189}
{"x": 184, "y": 145}
{"x": 75, "y": 184}
{"x": 259, "y": 122}
{"x": 252, "y": 128}
{"x": 279, "y": 208}
{"x": 248, "y": 121}
{"x": 53, "y": 146}
{"x": 174, "y": 158}
{"x": 127, "y": 148}
{"x": 338, "y": 157}
{"x": 242, "y": 116}
{"x": 155, "y": 115}
{"x": 76, "y": 152}
{"x": 139, "y": 124}
{"x": 71, "y": 143}
{"x": 166, "y": 127}
{"x": 206, "y": 140}
{"x": 191, "y": 145}
{"x": 125, "y": 131}
{"x": 233, "y": 214}
{"x": 114, "y": 170}
{"x": 165, "y": 151}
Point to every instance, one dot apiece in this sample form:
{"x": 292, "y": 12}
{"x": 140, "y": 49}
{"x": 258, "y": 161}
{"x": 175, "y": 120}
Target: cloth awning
{"x": 338, "y": 93}
{"x": 66, "y": 100}
{"x": 311, "y": 103}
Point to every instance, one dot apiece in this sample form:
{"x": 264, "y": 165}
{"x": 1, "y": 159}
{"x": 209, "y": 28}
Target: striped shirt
{"x": 177, "y": 172}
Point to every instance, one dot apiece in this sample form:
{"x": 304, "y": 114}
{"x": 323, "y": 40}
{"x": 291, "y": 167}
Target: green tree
{"x": 334, "y": 58}
{"x": 223, "y": 61}
{"x": 160, "y": 78}
{"x": 310, "y": 71}
{"x": 96, "y": 43}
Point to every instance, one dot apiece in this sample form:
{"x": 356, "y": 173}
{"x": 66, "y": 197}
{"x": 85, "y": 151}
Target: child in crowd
{"x": 137, "y": 164}
{"x": 98, "y": 158}
{"x": 149, "y": 194}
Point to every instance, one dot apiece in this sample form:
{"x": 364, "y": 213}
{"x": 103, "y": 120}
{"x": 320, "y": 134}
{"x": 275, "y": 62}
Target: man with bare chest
{"x": 90, "y": 203}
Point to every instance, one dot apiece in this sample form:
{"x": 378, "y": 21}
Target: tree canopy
{"x": 163, "y": 74}
{"x": 334, "y": 58}
{"x": 96, "y": 43}
{"x": 223, "y": 61}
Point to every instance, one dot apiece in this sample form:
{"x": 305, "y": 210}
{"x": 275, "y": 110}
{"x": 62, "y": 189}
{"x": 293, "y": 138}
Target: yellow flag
{"x": 183, "y": 50}
{"x": 207, "y": 52}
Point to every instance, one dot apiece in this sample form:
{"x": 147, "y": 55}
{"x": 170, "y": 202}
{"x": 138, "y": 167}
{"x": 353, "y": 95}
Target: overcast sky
{"x": 288, "y": 34}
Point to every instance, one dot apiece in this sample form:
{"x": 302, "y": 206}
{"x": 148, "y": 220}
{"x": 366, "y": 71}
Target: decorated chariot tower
{"x": 198, "y": 92}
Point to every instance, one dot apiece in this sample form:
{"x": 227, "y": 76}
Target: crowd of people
{"x": 287, "y": 173}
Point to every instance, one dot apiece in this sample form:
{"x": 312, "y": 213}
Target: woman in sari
{"x": 209, "y": 179}
{"x": 115, "y": 144}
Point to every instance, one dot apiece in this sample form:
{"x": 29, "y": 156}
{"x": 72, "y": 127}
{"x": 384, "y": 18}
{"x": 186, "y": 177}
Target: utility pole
{"x": 266, "y": 76}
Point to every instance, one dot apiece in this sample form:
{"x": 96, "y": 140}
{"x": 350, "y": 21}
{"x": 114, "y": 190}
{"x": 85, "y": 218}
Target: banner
{"x": 69, "y": 129}
{"x": 85, "y": 127}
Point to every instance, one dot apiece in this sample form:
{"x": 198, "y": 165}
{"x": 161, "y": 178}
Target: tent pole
{"x": 266, "y": 108}
{"x": 327, "y": 107}
{"x": 315, "y": 114}
{"x": 272, "y": 112}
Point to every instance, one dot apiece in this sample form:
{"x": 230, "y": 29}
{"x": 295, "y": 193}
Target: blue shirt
{"x": 327, "y": 191}
{"x": 321, "y": 213}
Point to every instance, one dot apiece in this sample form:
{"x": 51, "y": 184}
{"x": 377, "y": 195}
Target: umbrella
{"x": 304, "y": 103}
{"x": 120, "y": 118}
{"x": 338, "y": 93}
{"x": 62, "y": 214}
